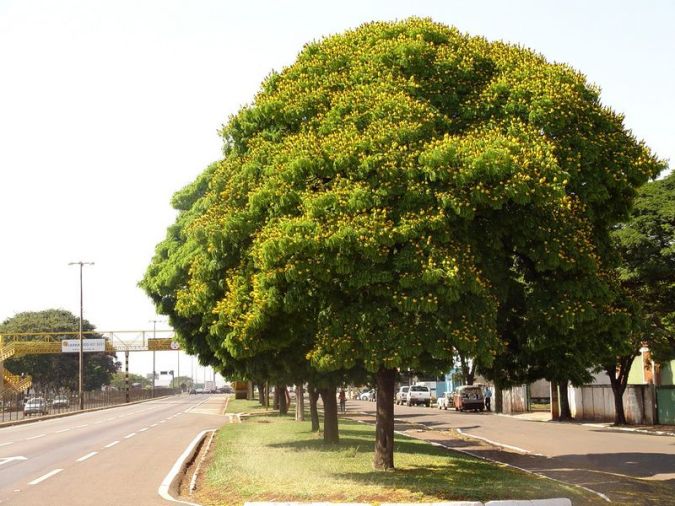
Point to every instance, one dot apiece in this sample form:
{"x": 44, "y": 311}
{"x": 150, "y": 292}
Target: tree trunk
{"x": 619, "y": 379}
{"x": 275, "y": 402}
{"x": 565, "y": 413}
{"x": 313, "y": 410}
{"x": 299, "y": 403}
{"x": 283, "y": 399}
{"x": 330, "y": 416}
{"x": 261, "y": 393}
{"x": 499, "y": 399}
{"x": 384, "y": 420}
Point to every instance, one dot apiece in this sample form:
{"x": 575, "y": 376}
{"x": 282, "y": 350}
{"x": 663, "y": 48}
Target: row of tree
{"x": 401, "y": 194}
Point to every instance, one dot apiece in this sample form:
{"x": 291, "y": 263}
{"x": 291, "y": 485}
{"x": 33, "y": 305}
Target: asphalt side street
{"x": 625, "y": 467}
{"x": 114, "y": 456}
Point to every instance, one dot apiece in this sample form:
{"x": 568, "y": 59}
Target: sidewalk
{"x": 545, "y": 416}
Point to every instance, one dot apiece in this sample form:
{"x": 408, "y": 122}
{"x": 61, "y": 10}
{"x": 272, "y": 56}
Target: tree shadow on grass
{"x": 363, "y": 442}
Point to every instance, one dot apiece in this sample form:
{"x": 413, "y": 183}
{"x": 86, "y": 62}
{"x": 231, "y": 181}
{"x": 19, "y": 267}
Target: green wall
{"x": 668, "y": 373}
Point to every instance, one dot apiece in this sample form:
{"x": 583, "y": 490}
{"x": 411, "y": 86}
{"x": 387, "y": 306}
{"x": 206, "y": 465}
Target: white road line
{"x": 130, "y": 435}
{"x": 87, "y": 456}
{"x": 7, "y": 444}
{"x": 45, "y": 476}
{"x": 62, "y": 430}
{"x": 143, "y": 429}
{"x": 80, "y": 426}
{"x": 162, "y": 421}
{"x": 110, "y": 445}
{"x": 35, "y": 437}
{"x": 154, "y": 425}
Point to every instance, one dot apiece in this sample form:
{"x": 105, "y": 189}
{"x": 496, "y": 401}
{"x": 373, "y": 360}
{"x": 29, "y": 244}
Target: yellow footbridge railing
{"x": 41, "y": 343}
{"x": 15, "y": 382}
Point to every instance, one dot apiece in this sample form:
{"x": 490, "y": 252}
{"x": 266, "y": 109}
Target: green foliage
{"x": 390, "y": 197}
{"x": 647, "y": 270}
{"x": 118, "y": 380}
{"x": 56, "y": 371}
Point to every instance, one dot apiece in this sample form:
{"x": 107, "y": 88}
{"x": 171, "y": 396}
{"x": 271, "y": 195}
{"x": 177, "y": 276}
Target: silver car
{"x": 35, "y": 406}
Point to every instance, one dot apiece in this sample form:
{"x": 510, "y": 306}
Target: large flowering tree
{"x": 377, "y": 197}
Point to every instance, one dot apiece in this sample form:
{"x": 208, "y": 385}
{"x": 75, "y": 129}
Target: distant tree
{"x": 118, "y": 380}
{"x": 57, "y": 371}
{"x": 374, "y": 198}
{"x": 646, "y": 244}
{"x": 182, "y": 382}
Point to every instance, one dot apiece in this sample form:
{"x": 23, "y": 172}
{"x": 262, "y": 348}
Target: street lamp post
{"x": 81, "y": 397}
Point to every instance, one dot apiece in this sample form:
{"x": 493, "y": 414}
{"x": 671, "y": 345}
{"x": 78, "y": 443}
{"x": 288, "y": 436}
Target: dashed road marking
{"x": 80, "y": 426}
{"x": 143, "y": 429}
{"x": 130, "y": 435}
{"x": 45, "y": 476}
{"x": 35, "y": 437}
{"x": 87, "y": 456}
{"x": 7, "y": 444}
{"x": 110, "y": 445}
{"x": 62, "y": 430}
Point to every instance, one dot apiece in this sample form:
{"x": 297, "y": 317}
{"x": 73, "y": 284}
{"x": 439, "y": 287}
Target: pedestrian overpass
{"x": 41, "y": 343}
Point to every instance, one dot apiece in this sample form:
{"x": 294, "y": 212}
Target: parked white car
{"x": 444, "y": 401}
{"x": 402, "y": 395}
{"x": 368, "y": 395}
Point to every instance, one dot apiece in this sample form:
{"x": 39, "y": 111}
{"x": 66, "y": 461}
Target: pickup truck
{"x": 419, "y": 394}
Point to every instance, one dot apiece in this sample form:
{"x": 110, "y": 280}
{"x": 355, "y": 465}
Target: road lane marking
{"x": 7, "y": 444}
{"x": 80, "y": 426}
{"x": 130, "y": 435}
{"x": 45, "y": 476}
{"x": 110, "y": 445}
{"x": 143, "y": 429}
{"x": 87, "y": 456}
{"x": 35, "y": 437}
{"x": 5, "y": 460}
{"x": 162, "y": 421}
{"x": 154, "y": 425}
{"x": 62, "y": 430}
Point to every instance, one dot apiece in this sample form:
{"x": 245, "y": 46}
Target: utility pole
{"x": 154, "y": 336}
{"x": 80, "y": 395}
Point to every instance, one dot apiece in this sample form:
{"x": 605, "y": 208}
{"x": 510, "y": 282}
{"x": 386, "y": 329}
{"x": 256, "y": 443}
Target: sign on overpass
{"x": 89, "y": 345}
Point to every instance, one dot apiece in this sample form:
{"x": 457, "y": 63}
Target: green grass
{"x": 245, "y": 406}
{"x": 271, "y": 458}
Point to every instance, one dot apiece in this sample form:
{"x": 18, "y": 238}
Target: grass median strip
{"x": 271, "y": 458}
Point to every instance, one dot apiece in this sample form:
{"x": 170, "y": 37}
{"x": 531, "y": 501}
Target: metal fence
{"x": 15, "y": 406}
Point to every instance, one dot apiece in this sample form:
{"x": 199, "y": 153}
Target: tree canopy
{"x": 384, "y": 195}
{"x": 57, "y": 371}
{"x": 647, "y": 270}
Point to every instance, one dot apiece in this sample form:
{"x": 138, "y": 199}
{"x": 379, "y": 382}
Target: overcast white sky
{"x": 109, "y": 107}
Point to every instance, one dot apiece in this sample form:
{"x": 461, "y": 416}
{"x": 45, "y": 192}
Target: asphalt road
{"x": 114, "y": 456}
{"x": 626, "y": 467}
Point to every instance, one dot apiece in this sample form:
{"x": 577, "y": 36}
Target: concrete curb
{"x": 23, "y": 421}
{"x": 534, "y": 502}
{"x": 171, "y": 483}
